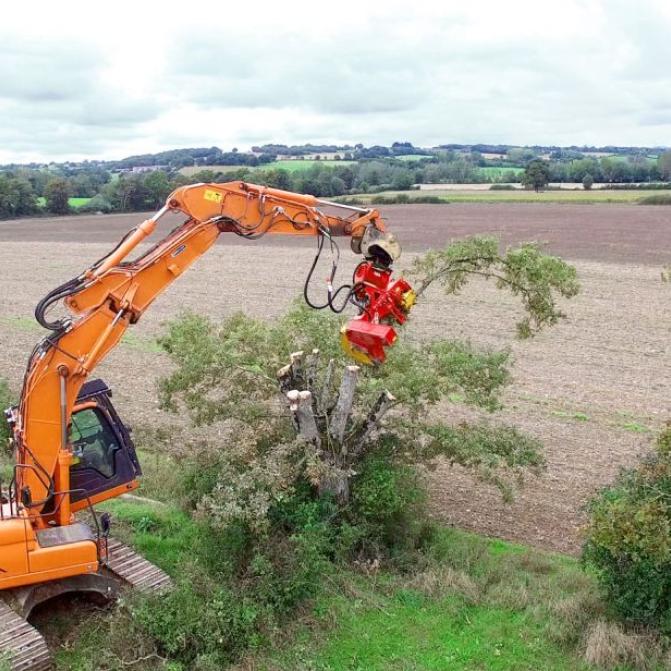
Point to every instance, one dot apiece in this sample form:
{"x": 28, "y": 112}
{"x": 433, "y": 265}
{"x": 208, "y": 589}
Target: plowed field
{"x": 594, "y": 388}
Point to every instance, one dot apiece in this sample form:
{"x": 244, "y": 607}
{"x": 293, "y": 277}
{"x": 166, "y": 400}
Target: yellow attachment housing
{"x": 352, "y": 351}
{"x": 408, "y": 300}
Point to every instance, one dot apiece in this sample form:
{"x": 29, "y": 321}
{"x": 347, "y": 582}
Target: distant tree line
{"x": 27, "y": 191}
{"x": 175, "y": 159}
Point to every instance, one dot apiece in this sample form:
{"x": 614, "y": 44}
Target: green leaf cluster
{"x": 629, "y": 538}
{"x": 538, "y": 279}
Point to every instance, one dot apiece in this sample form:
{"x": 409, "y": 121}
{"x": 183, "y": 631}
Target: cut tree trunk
{"x": 326, "y": 425}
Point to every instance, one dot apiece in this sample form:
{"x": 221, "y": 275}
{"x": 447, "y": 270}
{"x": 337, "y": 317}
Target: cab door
{"x": 102, "y": 458}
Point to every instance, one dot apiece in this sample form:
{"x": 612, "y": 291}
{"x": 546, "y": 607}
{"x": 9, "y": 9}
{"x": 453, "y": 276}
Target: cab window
{"x": 93, "y": 441}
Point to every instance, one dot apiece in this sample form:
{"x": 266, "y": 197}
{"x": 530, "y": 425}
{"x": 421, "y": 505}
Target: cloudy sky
{"x": 89, "y": 80}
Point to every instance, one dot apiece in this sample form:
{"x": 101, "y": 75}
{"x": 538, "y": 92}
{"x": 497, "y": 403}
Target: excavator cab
{"x": 104, "y": 457}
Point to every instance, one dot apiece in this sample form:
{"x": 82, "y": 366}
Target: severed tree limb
{"x": 343, "y": 408}
{"x": 291, "y": 375}
{"x": 300, "y": 403}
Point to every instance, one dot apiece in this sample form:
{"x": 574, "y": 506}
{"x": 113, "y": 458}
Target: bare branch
{"x": 384, "y": 402}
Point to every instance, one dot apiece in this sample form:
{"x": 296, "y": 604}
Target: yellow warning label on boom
{"x": 212, "y": 196}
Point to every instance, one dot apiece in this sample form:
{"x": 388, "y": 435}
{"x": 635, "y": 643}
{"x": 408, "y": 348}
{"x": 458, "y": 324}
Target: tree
{"x": 158, "y": 188}
{"x": 664, "y": 163}
{"x": 333, "y": 418}
{"x": 536, "y": 175}
{"x": 402, "y": 180}
{"x": 57, "y": 195}
{"x": 16, "y": 197}
{"x": 587, "y": 181}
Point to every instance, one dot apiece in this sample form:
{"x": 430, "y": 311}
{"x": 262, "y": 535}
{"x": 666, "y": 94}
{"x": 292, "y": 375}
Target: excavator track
{"x": 134, "y": 570}
{"x": 23, "y": 647}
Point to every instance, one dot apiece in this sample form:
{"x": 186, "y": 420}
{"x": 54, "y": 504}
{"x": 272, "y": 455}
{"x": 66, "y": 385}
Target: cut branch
{"x": 300, "y": 403}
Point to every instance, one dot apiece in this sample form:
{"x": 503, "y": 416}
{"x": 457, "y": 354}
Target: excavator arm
{"x": 113, "y": 293}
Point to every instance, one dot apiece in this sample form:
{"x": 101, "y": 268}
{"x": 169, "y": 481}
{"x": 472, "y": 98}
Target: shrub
{"x": 503, "y": 187}
{"x": 199, "y": 620}
{"x": 97, "y": 204}
{"x": 387, "y": 510}
{"x": 403, "y": 199}
{"x": 629, "y": 539}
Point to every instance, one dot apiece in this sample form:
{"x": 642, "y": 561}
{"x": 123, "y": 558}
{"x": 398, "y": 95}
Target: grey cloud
{"x": 379, "y": 79}
{"x": 41, "y": 71}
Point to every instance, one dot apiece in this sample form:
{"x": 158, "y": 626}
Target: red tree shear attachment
{"x": 383, "y": 302}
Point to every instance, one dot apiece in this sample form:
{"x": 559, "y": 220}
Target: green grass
{"x": 409, "y": 631}
{"x": 656, "y": 199}
{"x": 74, "y": 202}
{"x": 139, "y": 343}
{"x": 129, "y": 340}
{"x": 636, "y": 427}
{"x": 579, "y": 416}
{"x": 296, "y": 165}
{"x": 480, "y": 604}
{"x": 414, "y": 157}
{"x": 473, "y": 603}
{"x": 291, "y": 165}
{"x": 495, "y": 171}
{"x": 25, "y": 324}
{"x": 593, "y": 197}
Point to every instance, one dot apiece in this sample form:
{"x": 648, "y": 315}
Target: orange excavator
{"x": 72, "y": 450}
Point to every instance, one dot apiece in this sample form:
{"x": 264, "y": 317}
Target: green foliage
{"x": 57, "y": 195}
{"x": 98, "y": 203}
{"x": 268, "y": 525}
{"x": 536, "y": 174}
{"x": 629, "y": 539}
{"x": 587, "y": 181}
{"x": 17, "y": 197}
{"x": 525, "y": 271}
{"x": 489, "y": 451}
{"x": 199, "y": 622}
{"x": 387, "y": 517}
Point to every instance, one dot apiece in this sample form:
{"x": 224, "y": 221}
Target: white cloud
{"x": 146, "y": 76}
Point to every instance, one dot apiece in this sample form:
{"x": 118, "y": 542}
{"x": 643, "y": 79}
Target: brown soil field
{"x": 594, "y": 388}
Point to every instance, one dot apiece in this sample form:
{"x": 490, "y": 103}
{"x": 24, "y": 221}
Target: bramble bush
{"x": 628, "y": 540}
